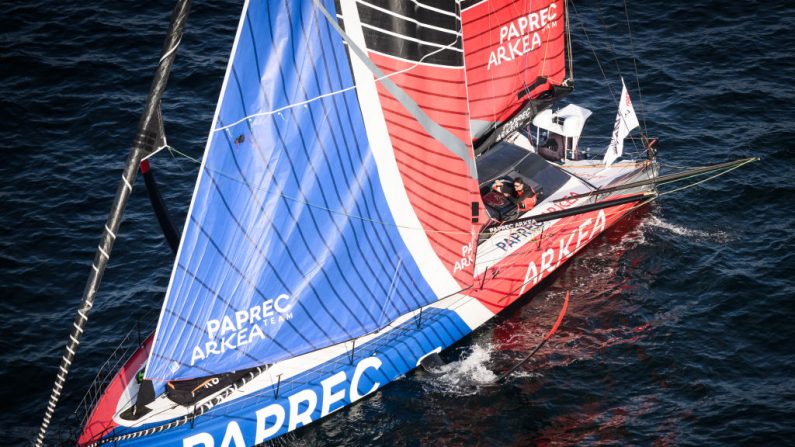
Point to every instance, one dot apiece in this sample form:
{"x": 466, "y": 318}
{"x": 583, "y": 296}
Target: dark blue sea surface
{"x": 681, "y": 320}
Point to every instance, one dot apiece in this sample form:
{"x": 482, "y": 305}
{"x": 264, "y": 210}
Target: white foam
{"x": 463, "y": 377}
{"x": 679, "y": 230}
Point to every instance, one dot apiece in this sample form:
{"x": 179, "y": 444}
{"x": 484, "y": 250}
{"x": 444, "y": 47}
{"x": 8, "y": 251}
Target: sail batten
{"x": 293, "y": 241}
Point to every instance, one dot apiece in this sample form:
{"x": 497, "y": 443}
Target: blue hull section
{"x": 316, "y": 393}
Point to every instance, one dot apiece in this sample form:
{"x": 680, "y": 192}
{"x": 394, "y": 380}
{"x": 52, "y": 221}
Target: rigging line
{"x": 529, "y": 245}
{"x": 670, "y": 165}
{"x": 593, "y": 50}
{"x": 658, "y": 180}
{"x": 466, "y": 79}
{"x": 171, "y": 50}
{"x": 598, "y": 63}
{"x": 640, "y": 204}
{"x": 408, "y": 19}
{"x": 692, "y": 185}
{"x": 544, "y": 229}
{"x": 304, "y": 202}
{"x": 173, "y": 150}
{"x": 546, "y": 51}
{"x": 569, "y": 42}
{"x": 491, "y": 73}
{"x": 635, "y": 64}
{"x": 620, "y": 74}
{"x": 657, "y": 196}
{"x": 450, "y": 46}
{"x": 613, "y": 51}
{"x": 389, "y": 294}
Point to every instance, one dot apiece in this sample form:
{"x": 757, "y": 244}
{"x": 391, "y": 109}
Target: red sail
{"x": 408, "y": 63}
{"x": 508, "y": 45}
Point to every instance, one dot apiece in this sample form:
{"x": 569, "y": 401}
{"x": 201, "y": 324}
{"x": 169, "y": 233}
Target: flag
{"x": 626, "y": 120}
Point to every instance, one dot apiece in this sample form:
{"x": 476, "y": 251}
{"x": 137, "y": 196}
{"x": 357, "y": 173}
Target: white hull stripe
{"x": 434, "y": 272}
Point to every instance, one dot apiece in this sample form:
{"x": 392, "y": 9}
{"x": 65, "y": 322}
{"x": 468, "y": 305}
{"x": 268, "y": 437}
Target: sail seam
{"x": 412, "y": 39}
{"x": 431, "y": 8}
{"x": 408, "y": 19}
{"x": 438, "y": 132}
{"x": 198, "y": 180}
{"x": 314, "y": 205}
{"x": 326, "y": 95}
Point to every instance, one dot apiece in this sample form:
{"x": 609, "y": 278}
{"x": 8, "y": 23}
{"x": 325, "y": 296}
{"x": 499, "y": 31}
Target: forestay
{"x": 337, "y": 187}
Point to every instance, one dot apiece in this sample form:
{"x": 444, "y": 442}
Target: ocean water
{"x": 680, "y": 326}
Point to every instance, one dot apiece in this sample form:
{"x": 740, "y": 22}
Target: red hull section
{"x": 101, "y": 420}
{"x": 503, "y": 283}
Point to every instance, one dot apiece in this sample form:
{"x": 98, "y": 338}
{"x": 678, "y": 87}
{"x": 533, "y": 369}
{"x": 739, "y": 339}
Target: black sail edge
{"x": 142, "y": 144}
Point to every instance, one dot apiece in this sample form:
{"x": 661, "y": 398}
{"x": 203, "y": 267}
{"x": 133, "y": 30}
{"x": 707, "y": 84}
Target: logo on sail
{"x": 522, "y": 35}
{"x": 243, "y": 327}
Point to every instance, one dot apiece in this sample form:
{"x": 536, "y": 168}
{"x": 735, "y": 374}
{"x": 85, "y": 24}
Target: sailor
{"x": 523, "y": 196}
{"x": 503, "y": 187}
{"x": 498, "y": 200}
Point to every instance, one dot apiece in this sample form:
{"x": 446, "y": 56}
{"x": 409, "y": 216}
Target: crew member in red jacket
{"x": 522, "y": 195}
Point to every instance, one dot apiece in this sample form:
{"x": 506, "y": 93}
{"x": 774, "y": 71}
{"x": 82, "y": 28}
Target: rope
{"x": 569, "y": 43}
{"x": 312, "y": 205}
{"x": 618, "y": 68}
{"x": 635, "y": 64}
{"x": 406, "y": 227}
{"x": 692, "y": 185}
{"x": 451, "y": 45}
{"x": 226, "y": 393}
{"x": 171, "y": 50}
{"x": 596, "y": 58}
{"x": 174, "y": 150}
{"x": 123, "y": 191}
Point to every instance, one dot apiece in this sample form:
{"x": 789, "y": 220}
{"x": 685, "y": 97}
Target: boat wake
{"x": 657, "y": 222}
{"x": 464, "y": 377}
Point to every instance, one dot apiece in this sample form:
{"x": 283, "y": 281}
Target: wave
{"x": 464, "y": 377}
{"x": 679, "y": 230}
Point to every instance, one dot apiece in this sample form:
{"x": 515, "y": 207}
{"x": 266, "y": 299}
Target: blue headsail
{"x": 290, "y": 244}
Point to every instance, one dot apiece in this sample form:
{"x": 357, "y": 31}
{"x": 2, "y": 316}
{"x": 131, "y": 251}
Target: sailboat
{"x": 352, "y": 214}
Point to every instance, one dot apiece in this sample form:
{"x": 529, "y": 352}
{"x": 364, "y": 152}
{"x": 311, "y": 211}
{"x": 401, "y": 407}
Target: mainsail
{"x": 337, "y": 190}
{"x": 514, "y": 51}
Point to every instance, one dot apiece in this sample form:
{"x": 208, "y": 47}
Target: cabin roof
{"x": 567, "y": 121}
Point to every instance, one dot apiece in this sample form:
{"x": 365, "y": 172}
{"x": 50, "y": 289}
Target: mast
{"x": 143, "y": 144}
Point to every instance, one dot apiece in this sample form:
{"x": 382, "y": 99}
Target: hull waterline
{"x": 296, "y": 392}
